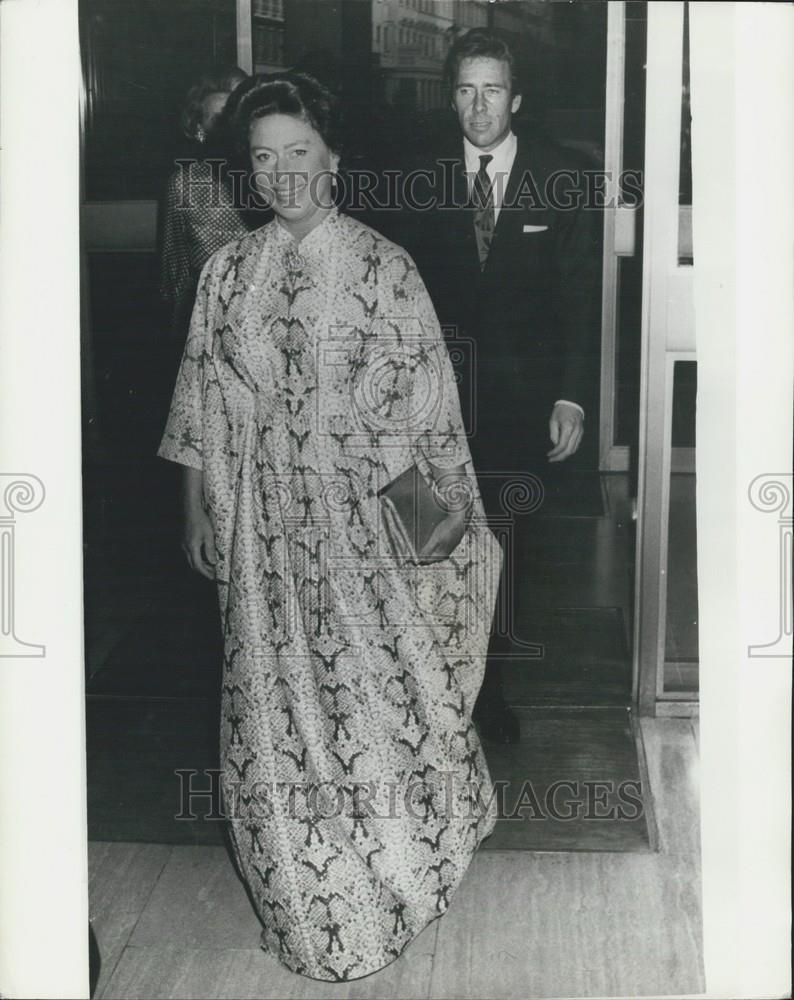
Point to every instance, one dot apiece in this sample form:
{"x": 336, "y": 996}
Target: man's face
{"x": 483, "y": 101}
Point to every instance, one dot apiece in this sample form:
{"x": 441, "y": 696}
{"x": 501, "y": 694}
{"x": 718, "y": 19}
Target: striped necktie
{"x": 482, "y": 204}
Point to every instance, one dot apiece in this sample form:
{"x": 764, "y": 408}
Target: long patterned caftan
{"x": 314, "y": 374}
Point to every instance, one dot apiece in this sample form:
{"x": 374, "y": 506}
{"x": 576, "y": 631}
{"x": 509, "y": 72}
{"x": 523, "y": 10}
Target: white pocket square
{"x": 535, "y": 229}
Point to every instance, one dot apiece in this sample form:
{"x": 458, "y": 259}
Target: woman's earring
{"x": 201, "y": 135}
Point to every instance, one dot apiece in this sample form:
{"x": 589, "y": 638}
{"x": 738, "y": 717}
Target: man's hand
{"x": 566, "y": 429}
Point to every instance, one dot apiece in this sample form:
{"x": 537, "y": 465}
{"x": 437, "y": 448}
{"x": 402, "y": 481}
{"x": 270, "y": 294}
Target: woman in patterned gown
{"x": 200, "y": 212}
{"x": 314, "y": 374}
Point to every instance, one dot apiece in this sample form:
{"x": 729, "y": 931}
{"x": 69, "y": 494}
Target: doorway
{"x": 152, "y": 658}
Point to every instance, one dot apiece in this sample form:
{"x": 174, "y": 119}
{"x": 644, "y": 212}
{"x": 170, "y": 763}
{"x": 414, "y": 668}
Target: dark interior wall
{"x": 139, "y": 59}
{"x": 134, "y": 368}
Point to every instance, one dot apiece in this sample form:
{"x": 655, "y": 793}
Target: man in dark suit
{"x": 511, "y": 260}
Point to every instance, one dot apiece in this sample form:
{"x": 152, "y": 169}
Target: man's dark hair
{"x": 479, "y": 43}
{"x": 289, "y": 93}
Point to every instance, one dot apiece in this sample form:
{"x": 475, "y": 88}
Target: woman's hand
{"x": 455, "y": 490}
{"x": 445, "y": 537}
{"x": 198, "y": 537}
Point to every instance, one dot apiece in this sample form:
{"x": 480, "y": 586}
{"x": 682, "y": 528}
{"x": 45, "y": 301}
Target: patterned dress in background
{"x": 199, "y": 217}
{"x": 357, "y": 791}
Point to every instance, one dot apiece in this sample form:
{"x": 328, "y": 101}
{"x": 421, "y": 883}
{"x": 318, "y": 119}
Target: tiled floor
{"x": 176, "y": 921}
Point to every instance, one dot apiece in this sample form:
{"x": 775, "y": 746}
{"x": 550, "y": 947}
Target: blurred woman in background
{"x": 203, "y": 209}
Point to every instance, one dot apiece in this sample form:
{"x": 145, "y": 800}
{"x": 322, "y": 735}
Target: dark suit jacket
{"x": 529, "y": 320}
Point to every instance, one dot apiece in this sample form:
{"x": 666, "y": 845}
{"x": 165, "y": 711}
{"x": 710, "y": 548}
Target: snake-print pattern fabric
{"x": 314, "y": 374}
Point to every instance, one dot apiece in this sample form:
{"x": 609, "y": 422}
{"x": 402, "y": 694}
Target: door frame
{"x": 245, "y": 40}
{"x": 619, "y": 239}
{"x": 668, "y": 334}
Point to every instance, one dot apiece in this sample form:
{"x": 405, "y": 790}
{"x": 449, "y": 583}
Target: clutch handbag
{"x": 411, "y": 511}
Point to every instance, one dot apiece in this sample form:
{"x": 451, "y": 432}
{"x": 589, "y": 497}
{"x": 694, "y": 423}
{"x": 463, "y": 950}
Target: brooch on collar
{"x": 294, "y": 260}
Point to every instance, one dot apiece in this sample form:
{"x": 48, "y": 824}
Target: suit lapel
{"x": 522, "y": 191}
{"x": 463, "y": 221}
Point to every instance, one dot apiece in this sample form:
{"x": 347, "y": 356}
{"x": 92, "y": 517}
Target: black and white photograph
{"x": 408, "y": 635}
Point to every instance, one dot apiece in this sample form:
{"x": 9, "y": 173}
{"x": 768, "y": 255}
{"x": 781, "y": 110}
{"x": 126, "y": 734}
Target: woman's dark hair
{"x": 289, "y": 93}
{"x": 479, "y": 43}
{"x": 217, "y": 80}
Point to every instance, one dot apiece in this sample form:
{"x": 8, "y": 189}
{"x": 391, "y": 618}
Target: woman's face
{"x": 292, "y": 169}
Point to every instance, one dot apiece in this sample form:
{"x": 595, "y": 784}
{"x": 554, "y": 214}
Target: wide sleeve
{"x": 435, "y": 430}
{"x": 182, "y": 440}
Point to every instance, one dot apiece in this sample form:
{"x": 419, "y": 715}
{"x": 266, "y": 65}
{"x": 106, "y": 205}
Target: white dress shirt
{"x": 498, "y": 171}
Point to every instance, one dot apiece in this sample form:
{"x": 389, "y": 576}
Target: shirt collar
{"x": 316, "y": 237}
{"x": 503, "y": 154}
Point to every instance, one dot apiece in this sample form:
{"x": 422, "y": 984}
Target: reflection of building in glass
{"x": 267, "y": 35}
{"x": 410, "y": 40}
{"x": 469, "y": 14}
{"x": 394, "y": 50}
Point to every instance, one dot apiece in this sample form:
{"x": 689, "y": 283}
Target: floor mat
{"x": 575, "y": 782}
{"x": 145, "y": 757}
{"x": 581, "y": 659}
